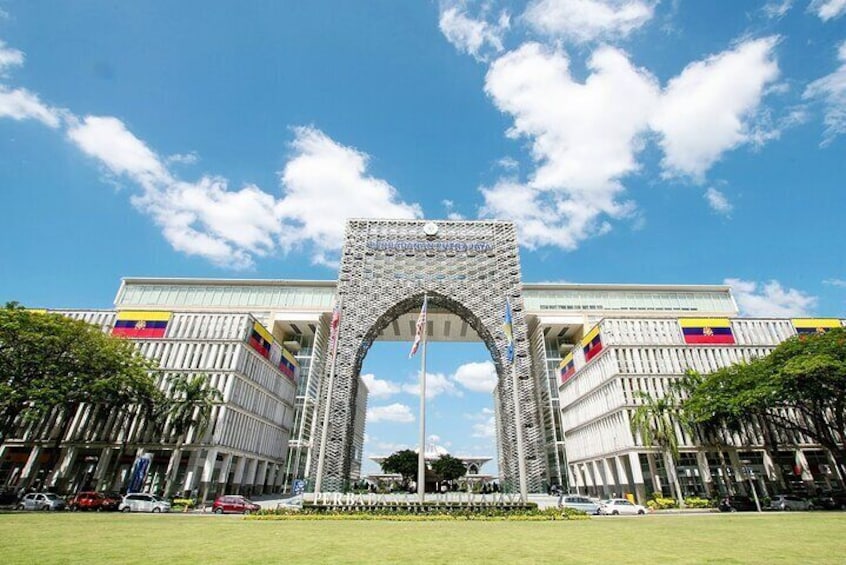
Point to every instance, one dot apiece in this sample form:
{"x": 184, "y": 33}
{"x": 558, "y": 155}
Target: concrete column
{"x": 280, "y": 477}
{"x": 30, "y": 467}
{"x": 637, "y": 477}
{"x": 773, "y": 473}
{"x": 66, "y": 459}
{"x": 612, "y": 485}
{"x": 100, "y": 481}
{"x": 261, "y": 477}
{"x": 599, "y": 479}
{"x": 248, "y": 483}
{"x": 705, "y": 472}
{"x": 240, "y": 465}
{"x": 739, "y": 476}
{"x": 586, "y": 478}
{"x": 807, "y": 477}
{"x": 224, "y": 472}
{"x": 653, "y": 472}
{"x": 623, "y": 479}
{"x": 208, "y": 472}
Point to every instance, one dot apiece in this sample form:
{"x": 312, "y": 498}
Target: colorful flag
{"x": 141, "y": 324}
{"x": 698, "y": 331}
{"x": 288, "y": 364}
{"x": 814, "y": 325}
{"x": 421, "y": 327}
{"x": 508, "y": 330}
{"x": 260, "y": 340}
{"x": 592, "y": 344}
{"x": 567, "y": 368}
{"x": 334, "y": 324}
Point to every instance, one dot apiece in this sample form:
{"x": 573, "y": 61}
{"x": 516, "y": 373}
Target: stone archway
{"x": 468, "y": 268}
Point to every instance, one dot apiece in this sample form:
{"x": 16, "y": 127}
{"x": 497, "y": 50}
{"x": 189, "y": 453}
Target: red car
{"x": 93, "y": 501}
{"x": 235, "y": 504}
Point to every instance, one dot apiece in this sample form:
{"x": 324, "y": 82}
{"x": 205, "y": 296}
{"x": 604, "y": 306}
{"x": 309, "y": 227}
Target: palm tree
{"x": 654, "y": 421}
{"x": 189, "y": 407}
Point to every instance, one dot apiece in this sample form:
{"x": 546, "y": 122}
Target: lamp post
{"x": 747, "y": 470}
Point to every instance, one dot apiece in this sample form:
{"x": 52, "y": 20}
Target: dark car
{"x": 738, "y": 504}
{"x": 234, "y": 504}
{"x": 93, "y": 501}
{"x": 831, "y": 501}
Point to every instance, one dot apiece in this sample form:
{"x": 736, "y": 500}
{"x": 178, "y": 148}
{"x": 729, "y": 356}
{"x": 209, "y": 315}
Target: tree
{"x": 799, "y": 389}
{"x": 654, "y": 420}
{"x": 189, "y": 406}
{"x": 403, "y": 462}
{"x": 449, "y": 468}
{"x": 51, "y": 366}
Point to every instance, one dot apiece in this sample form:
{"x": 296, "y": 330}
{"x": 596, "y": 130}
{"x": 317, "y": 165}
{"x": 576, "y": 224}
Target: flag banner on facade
{"x": 141, "y": 324}
{"x": 592, "y": 344}
{"x": 508, "y": 330}
{"x": 421, "y": 327}
{"x": 138, "y": 475}
{"x": 288, "y": 364}
{"x": 260, "y": 340}
{"x": 704, "y": 331}
{"x": 334, "y": 324}
{"x": 814, "y": 325}
{"x": 567, "y": 368}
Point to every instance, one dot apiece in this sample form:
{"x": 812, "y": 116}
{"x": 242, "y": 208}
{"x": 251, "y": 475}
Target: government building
{"x": 286, "y": 356}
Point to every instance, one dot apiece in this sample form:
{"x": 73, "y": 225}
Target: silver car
{"x": 578, "y": 502}
{"x": 790, "y": 502}
{"x": 142, "y": 502}
{"x": 41, "y": 501}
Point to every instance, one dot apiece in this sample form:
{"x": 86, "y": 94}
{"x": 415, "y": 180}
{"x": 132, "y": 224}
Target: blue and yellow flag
{"x": 508, "y": 330}
{"x": 814, "y": 325}
{"x": 288, "y": 364}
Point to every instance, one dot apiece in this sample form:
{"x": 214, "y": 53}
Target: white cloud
{"x": 21, "y": 104}
{"x": 830, "y": 90}
{"x": 586, "y": 20}
{"x": 828, "y": 9}
{"x": 379, "y": 388}
{"x": 484, "y": 425}
{"x": 835, "y": 282}
{"x": 325, "y": 183}
{"x": 707, "y": 109}
{"x": 9, "y": 58}
{"x": 476, "y": 37}
{"x": 451, "y": 214}
{"x": 718, "y": 201}
{"x": 399, "y": 413}
{"x": 770, "y": 299}
{"x": 584, "y": 138}
{"x": 777, "y": 9}
{"x": 183, "y": 158}
{"x": 478, "y": 377}
{"x": 436, "y": 384}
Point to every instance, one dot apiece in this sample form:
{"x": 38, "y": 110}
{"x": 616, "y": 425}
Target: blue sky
{"x": 632, "y": 140}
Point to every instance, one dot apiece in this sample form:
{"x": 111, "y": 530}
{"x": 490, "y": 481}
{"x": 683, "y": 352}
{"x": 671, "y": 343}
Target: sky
{"x": 632, "y": 141}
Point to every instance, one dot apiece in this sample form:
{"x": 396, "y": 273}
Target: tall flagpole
{"x": 512, "y": 358}
{"x": 318, "y": 483}
{"x": 421, "y": 460}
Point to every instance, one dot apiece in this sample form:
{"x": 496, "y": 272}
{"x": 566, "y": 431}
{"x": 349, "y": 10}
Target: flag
{"x": 141, "y": 324}
{"x": 698, "y": 331}
{"x": 814, "y": 325}
{"x": 567, "y": 368}
{"x": 421, "y": 327}
{"x": 334, "y": 324}
{"x": 592, "y": 344}
{"x": 288, "y": 364}
{"x": 260, "y": 340}
{"x": 797, "y": 463}
{"x": 508, "y": 330}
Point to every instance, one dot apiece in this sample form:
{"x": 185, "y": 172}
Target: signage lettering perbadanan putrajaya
{"x": 423, "y": 246}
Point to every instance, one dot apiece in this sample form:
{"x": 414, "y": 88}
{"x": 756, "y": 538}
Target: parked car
{"x": 831, "y": 501}
{"x": 89, "y": 500}
{"x": 616, "y": 506}
{"x": 579, "y": 502}
{"x": 142, "y": 502}
{"x": 41, "y": 501}
{"x": 738, "y": 504}
{"x": 234, "y": 504}
{"x": 790, "y": 502}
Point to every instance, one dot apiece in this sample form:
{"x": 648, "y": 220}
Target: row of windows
{"x": 576, "y": 299}
{"x": 208, "y": 326}
{"x": 229, "y": 295}
{"x": 257, "y": 369}
{"x": 257, "y": 401}
{"x": 186, "y": 355}
{"x": 245, "y": 433}
{"x": 605, "y": 435}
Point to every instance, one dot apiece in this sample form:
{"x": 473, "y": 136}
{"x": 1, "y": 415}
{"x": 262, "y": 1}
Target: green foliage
{"x": 658, "y": 502}
{"x": 653, "y": 420}
{"x": 411, "y": 514}
{"x": 448, "y": 468}
{"x": 696, "y": 502}
{"x": 50, "y": 362}
{"x": 403, "y": 462}
{"x": 189, "y": 404}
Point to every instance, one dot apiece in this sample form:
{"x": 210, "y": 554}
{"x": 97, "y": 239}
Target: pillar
{"x": 208, "y": 472}
{"x": 223, "y": 478}
{"x": 261, "y": 477}
{"x": 705, "y": 473}
{"x": 30, "y": 467}
{"x": 240, "y": 465}
{"x": 190, "y": 482}
{"x": 637, "y": 477}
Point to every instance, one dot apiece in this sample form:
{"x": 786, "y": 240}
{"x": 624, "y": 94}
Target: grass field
{"x": 710, "y": 538}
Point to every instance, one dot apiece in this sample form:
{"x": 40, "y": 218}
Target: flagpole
{"x": 521, "y": 460}
{"x": 318, "y": 483}
{"x": 421, "y": 460}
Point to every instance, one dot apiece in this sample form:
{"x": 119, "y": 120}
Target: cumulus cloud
{"x": 478, "y": 377}
{"x": 436, "y": 384}
{"x": 379, "y": 388}
{"x": 835, "y": 282}
{"x": 718, "y": 201}
{"x": 706, "y": 110}
{"x": 828, "y": 9}
{"x": 582, "y": 21}
{"x": 399, "y": 413}
{"x": 9, "y": 58}
{"x": 476, "y": 37}
{"x": 484, "y": 424}
{"x": 21, "y": 104}
{"x": 830, "y": 90}
{"x": 777, "y": 9}
{"x": 770, "y": 299}
{"x": 324, "y": 183}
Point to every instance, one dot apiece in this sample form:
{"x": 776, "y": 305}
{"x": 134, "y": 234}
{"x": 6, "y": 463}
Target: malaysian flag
{"x": 334, "y": 324}
{"x": 421, "y": 327}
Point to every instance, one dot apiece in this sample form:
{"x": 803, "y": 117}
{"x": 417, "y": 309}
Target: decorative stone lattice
{"x": 467, "y": 268}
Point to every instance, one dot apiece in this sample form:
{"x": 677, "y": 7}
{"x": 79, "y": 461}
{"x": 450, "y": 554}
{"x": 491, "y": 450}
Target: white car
{"x": 142, "y": 502}
{"x": 617, "y": 506}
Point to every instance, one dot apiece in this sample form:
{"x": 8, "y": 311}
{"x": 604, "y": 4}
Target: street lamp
{"x": 747, "y": 470}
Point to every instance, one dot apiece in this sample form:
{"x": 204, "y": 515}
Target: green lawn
{"x": 741, "y": 538}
